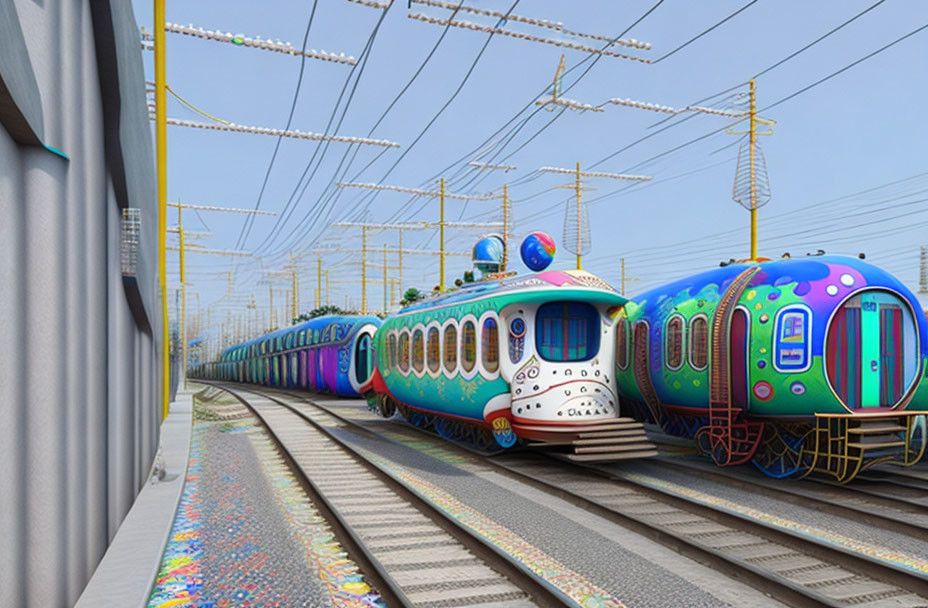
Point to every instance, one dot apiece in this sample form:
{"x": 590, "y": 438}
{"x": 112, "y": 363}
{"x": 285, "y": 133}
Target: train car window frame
{"x": 404, "y": 342}
{"x": 418, "y": 351}
{"x": 792, "y": 312}
{"x": 704, "y": 319}
{"x": 391, "y": 340}
{"x": 433, "y": 349}
{"x": 680, "y": 349}
{"x": 489, "y": 344}
{"x": 449, "y": 345}
{"x": 469, "y": 345}
{"x": 622, "y": 340}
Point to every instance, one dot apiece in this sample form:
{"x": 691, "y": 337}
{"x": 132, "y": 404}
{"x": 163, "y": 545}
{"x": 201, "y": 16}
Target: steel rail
{"x": 389, "y": 589}
{"x": 761, "y": 578}
{"x": 789, "y": 492}
{"x": 540, "y": 591}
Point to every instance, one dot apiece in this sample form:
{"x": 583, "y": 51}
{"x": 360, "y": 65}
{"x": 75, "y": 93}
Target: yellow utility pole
{"x": 270, "y": 304}
{"x": 363, "y": 270}
{"x": 579, "y": 222}
{"x": 183, "y": 296}
{"x": 400, "y": 263}
{"x": 752, "y": 185}
{"x": 441, "y": 232}
{"x": 295, "y": 300}
{"x": 161, "y": 147}
{"x": 505, "y": 227}
{"x": 386, "y": 303}
{"x": 318, "y": 280}
{"x": 625, "y": 279}
{"x": 753, "y": 136}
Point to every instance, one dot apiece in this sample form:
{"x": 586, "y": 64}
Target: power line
{"x": 246, "y": 227}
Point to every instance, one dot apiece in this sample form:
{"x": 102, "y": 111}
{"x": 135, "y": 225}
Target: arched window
{"x": 418, "y": 351}
{"x": 621, "y": 343}
{"x": 468, "y": 346}
{"x": 404, "y": 352}
{"x": 434, "y": 358}
{"x": 490, "y": 345}
{"x": 391, "y": 351}
{"x": 673, "y": 343}
{"x": 451, "y": 347}
{"x": 362, "y": 358}
{"x": 699, "y": 342}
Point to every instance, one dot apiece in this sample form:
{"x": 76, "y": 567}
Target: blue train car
{"x": 327, "y": 354}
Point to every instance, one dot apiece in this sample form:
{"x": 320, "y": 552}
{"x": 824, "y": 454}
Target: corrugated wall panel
{"x": 79, "y": 374}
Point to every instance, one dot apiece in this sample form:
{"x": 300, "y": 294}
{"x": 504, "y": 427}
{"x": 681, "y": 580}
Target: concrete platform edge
{"x": 126, "y": 574}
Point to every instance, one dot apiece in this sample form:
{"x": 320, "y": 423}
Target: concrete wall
{"x": 79, "y": 372}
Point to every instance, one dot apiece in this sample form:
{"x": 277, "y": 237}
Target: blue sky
{"x": 860, "y": 135}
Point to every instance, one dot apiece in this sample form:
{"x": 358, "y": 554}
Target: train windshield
{"x": 567, "y": 331}
{"x": 362, "y": 358}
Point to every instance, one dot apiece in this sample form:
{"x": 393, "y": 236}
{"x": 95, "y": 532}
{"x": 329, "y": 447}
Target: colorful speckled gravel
{"x": 237, "y": 544}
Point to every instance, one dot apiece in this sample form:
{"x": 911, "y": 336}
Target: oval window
{"x": 418, "y": 351}
{"x": 490, "y": 345}
{"x": 673, "y": 344}
{"x": 404, "y": 352}
{"x": 699, "y": 342}
{"x": 451, "y": 347}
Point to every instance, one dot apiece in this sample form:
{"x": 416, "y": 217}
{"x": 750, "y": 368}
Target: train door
{"x": 871, "y": 350}
{"x": 738, "y": 339}
{"x": 362, "y": 359}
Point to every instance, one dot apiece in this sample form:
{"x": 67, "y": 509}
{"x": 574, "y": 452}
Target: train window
{"x": 391, "y": 350}
{"x": 699, "y": 342}
{"x": 791, "y": 340}
{"x": 404, "y": 352}
{"x": 451, "y": 347}
{"x": 490, "y": 345}
{"x": 673, "y": 343}
{"x": 434, "y": 358}
{"x": 621, "y": 343}
{"x": 418, "y": 350}
{"x": 468, "y": 346}
{"x": 567, "y": 331}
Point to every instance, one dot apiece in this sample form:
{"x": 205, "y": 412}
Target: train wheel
{"x": 916, "y": 442}
{"x": 782, "y": 450}
{"x": 386, "y": 407}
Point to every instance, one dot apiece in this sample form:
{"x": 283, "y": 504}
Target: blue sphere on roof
{"x": 488, "y": 254}
{"x": 537, "y": 251}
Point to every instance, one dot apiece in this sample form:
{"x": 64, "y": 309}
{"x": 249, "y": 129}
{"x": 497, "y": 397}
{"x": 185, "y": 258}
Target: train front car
{"x": 494, "y": 363}
{"x": 329, "y": 354}
{"x": 798, "y": 365}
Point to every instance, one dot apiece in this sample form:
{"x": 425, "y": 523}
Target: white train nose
{"x": 572, "y": 400}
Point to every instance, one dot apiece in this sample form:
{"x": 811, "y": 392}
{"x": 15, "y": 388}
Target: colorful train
{"x": 797, "y": 365}
{"x": 327, "y": 354}
{"x": 494, "y": 363}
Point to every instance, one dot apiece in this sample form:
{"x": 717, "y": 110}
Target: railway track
{"x": 790, "y": 566}
{"x": 415, "y": 555}
{"x": 873, "y": 507}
